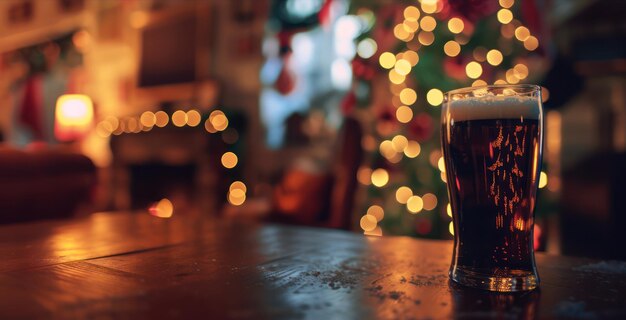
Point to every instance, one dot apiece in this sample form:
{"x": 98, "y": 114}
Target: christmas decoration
{"x": 409, "y": 54}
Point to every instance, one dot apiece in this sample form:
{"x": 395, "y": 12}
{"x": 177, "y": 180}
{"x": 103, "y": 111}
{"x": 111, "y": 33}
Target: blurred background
{"x": 314, "y": 112}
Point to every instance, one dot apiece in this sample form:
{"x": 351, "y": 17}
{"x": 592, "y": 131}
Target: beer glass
{"x": 492, "y": 146}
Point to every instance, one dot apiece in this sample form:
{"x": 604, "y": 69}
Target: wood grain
{"x": 132, "y": 265}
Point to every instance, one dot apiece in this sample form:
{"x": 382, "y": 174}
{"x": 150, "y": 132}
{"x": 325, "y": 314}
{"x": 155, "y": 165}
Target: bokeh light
{"x": 426, "y": 38}
{"x": 428, "y": 23}
{"x": 456, "y": 25}
{"x": 452, "y": 48}
{"x": 229, "y": 160}
{"x": 366, "y": 48}
{"x": 193, "y": 118}
{"x": 368, "y": 222}
{"x": 473, "y": 70}
{"x": 522, "y": 33}
{"x": 415, "y": 204}
{"x": 403, "y": 194}
{"x": 412, "y": 149}
{"x": 179, "y": 118}
{"x": 408, "y": 96}
{"x": 531, "y": 43}
{"x": 404, "y": 114}
{"x": 162, "y": 119}
{"x": 434, "y": 97}
{"x": 402, "y": 67}
{"x": 387, "y": 60}
{"x": 411, "y": 13}
{"x": 380, "y": 177}
{"x": 505, "y": 16}
{"x": 494, "y": 57}
{"x": 377, "y": 212}
{"x": 430, "y": 201}
{"x": 218, "y": 120}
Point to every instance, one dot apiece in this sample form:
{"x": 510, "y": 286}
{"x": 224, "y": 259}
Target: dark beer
{"x": 492, "y": 168}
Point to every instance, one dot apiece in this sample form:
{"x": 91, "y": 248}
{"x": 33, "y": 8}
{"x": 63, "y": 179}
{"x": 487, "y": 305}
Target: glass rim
{"x": 528, "y": 88}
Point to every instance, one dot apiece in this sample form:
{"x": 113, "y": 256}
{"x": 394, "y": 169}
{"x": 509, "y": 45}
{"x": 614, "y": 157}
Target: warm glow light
{"x": 412, "y": 57}
{"x": 403, "y": 194}
{"x": 506, "y": 3}
{"x": 443, "y": 177}
{"x": 520, "y": 71}
{"x": 161, "y": 119}
{"x": 236, "y": 197}
{"x": 410, "y": 26}
{"x": 377, "y": 212}
{"x": 368, "y": 222}
{"x": 494, "y": 57}
{"x": 522, "y": 33}
{"x": 505, "y": 16}
{"x": 426, "y": 38}
{"x": 543, "y": 179}
{"x": 404, "y": 114}
{"x": 451, "y": 228}
{"x": 403, "y": 67}
{"x": 415, "y": 204}
{"x": 73, "y": 115}
{"x": 386, "y": 149}
{"x": 412, "y": 149}
{"x": 238, "y": 185}
{"x": 479, "y": 83}
{"x": 147, "y": 119}
{"x": 364, "y": 176}
{"x": 380, "y": 177}
{"x": 428, "y": 23}
{"x": 473, "y": 70}
{"x": 387, "y": 60}
{"x": 531, "y": 43}
{"x": 456, "y": 25}
{"x": 452, "y": 48}
{"x": 179, "y": 118}
{"x": 429, "y": 6}
{"x": 430, "y": 201}
{"x": 401, "y": 33}
{"x": 395, "y": 77}
{"x": 162, "y": 209}
{"x": 408, "y": 96}
{"x": 366, "y": 48}
{"x": 499, "y": 81}
{"x": 399, "y": 142}
{"x": 411, "y": 13}
{"x": 510, "y": 77}
{"x": 218, "y": 120}
{"x": 441, "y": 164}
{"x": 193, "y": 118}
{"x": 449, "y": 210}
{"x": 434, "y": 97}
{"x": 229, "y": 160}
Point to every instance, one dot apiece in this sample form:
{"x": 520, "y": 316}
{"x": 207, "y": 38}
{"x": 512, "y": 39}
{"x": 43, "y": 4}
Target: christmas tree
{"x": 408, "y": 56}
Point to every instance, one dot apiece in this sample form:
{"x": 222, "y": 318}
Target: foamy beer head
{"x": 493, "y": 107}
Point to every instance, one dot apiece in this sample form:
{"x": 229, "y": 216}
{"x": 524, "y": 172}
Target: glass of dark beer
{"x": 492, "y": 146}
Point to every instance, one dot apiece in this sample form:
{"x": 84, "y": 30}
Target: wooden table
{"x": 133, "y": 265}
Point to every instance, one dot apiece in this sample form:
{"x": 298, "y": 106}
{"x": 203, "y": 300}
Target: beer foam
{"x": 494, "y": 107}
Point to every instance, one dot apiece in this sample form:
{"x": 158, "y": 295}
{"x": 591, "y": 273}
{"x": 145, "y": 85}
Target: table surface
{"x": 133, "y": 265}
